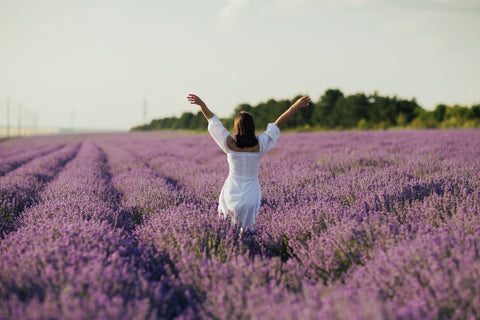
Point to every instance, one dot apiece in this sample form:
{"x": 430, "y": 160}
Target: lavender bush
{"x": 20, "y": 188}
{"x": 353, "y": 225}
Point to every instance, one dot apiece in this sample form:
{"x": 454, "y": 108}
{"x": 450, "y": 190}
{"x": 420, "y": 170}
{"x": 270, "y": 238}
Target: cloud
{"x": 347, "y": 3}
{"x": 289, "y": 6}
{"x": 468, "y": 2}
{"x": 402, "y": 25}
{"x": 230, "y": 12}
{"x": 455, "y": 3}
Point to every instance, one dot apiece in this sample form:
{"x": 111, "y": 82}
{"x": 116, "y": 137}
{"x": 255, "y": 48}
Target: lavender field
{"x": 353, "y": 225}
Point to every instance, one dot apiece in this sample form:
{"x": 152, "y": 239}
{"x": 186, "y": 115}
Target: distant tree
{"x": 349, "y": 110}
{"x": 475, "y": 112}
{"x": 383, "y": 111}
{"x": 409, "y": 108}
{"x": 265, "y": 112}
{"x": 336, "y": 111}
{"x": 185, "y": 121}
{"x": 456, "y": 111}
{"x": 198, "y": 122}
{"x": 302, "y": 118}
{"x": 439, "y": 112}
{"x": 241, "y": 107}
{"x": 401, "y": 120}
{"x": 322, "y": 111}
{"x": 362, "y": 124}
{"x": 424, "y": 120}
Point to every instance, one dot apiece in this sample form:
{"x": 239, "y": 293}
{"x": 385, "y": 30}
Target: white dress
{"x": 241, "y": 193}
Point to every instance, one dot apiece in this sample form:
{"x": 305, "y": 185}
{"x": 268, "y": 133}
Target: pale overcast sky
{"x": 99, "y": 60}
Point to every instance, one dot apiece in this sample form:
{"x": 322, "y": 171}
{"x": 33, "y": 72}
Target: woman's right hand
{"x": 195, "y": 100}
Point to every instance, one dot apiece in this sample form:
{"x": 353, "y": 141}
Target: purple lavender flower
{"x": 357, "y": 225}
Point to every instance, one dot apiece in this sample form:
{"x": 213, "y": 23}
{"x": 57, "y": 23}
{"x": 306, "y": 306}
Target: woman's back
{"x": 241, "y": 193}
{"x": 243, "y": 165}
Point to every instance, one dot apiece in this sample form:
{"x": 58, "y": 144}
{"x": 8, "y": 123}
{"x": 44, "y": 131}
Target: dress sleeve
{"x": 269, "y": 138}
{"x": 218, "y": 132}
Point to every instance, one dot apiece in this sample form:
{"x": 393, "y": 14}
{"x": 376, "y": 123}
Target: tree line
{"x": 336, "y": 111}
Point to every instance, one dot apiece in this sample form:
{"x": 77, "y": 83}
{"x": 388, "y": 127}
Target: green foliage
{"x": 439, "y": 112}
{"x": 444, "y": 116}
{"x": 335, "y": 111}
{"x": 322, "y": 111}
{"x": 187, "y": 120}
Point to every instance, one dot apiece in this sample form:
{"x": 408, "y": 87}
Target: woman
{"x": 241, "y": 193}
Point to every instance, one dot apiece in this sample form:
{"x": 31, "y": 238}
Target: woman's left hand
{"x": 302, "y": 102}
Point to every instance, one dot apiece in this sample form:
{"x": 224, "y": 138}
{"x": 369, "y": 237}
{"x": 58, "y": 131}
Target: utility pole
{"x": 32, "y": 123}
{"x": 8, "y": 118}
{"x": 35, "y": 121}
{"x": 19, "y": 119}
{"x": 145, "y": 111}
{"x": 71, "y": 119}
{"x": 25, "y": 121}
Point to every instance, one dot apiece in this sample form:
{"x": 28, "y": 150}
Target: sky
{"x": 97, "y": 64}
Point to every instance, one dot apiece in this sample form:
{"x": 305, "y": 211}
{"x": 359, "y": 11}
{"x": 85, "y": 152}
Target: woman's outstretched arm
{"x": 300, "y": 103}
{"x": 196, "y": 100}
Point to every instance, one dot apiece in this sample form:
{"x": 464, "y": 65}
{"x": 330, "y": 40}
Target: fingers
{"x": 304, "y": 98}
{"x": 192, "y": 98}
{"x": 304, "y": 101}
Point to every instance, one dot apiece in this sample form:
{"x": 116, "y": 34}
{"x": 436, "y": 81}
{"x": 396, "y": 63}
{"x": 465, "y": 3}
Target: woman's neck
{"x": 232, "y": 145}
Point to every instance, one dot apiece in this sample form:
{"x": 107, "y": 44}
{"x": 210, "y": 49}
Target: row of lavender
{"x": 353, "y": 225}
{"x": 69, "y": 252}
{"x": 358, "y": 225}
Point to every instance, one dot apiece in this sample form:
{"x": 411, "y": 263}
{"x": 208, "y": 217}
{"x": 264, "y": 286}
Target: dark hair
{"x": 244, "y": 129}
